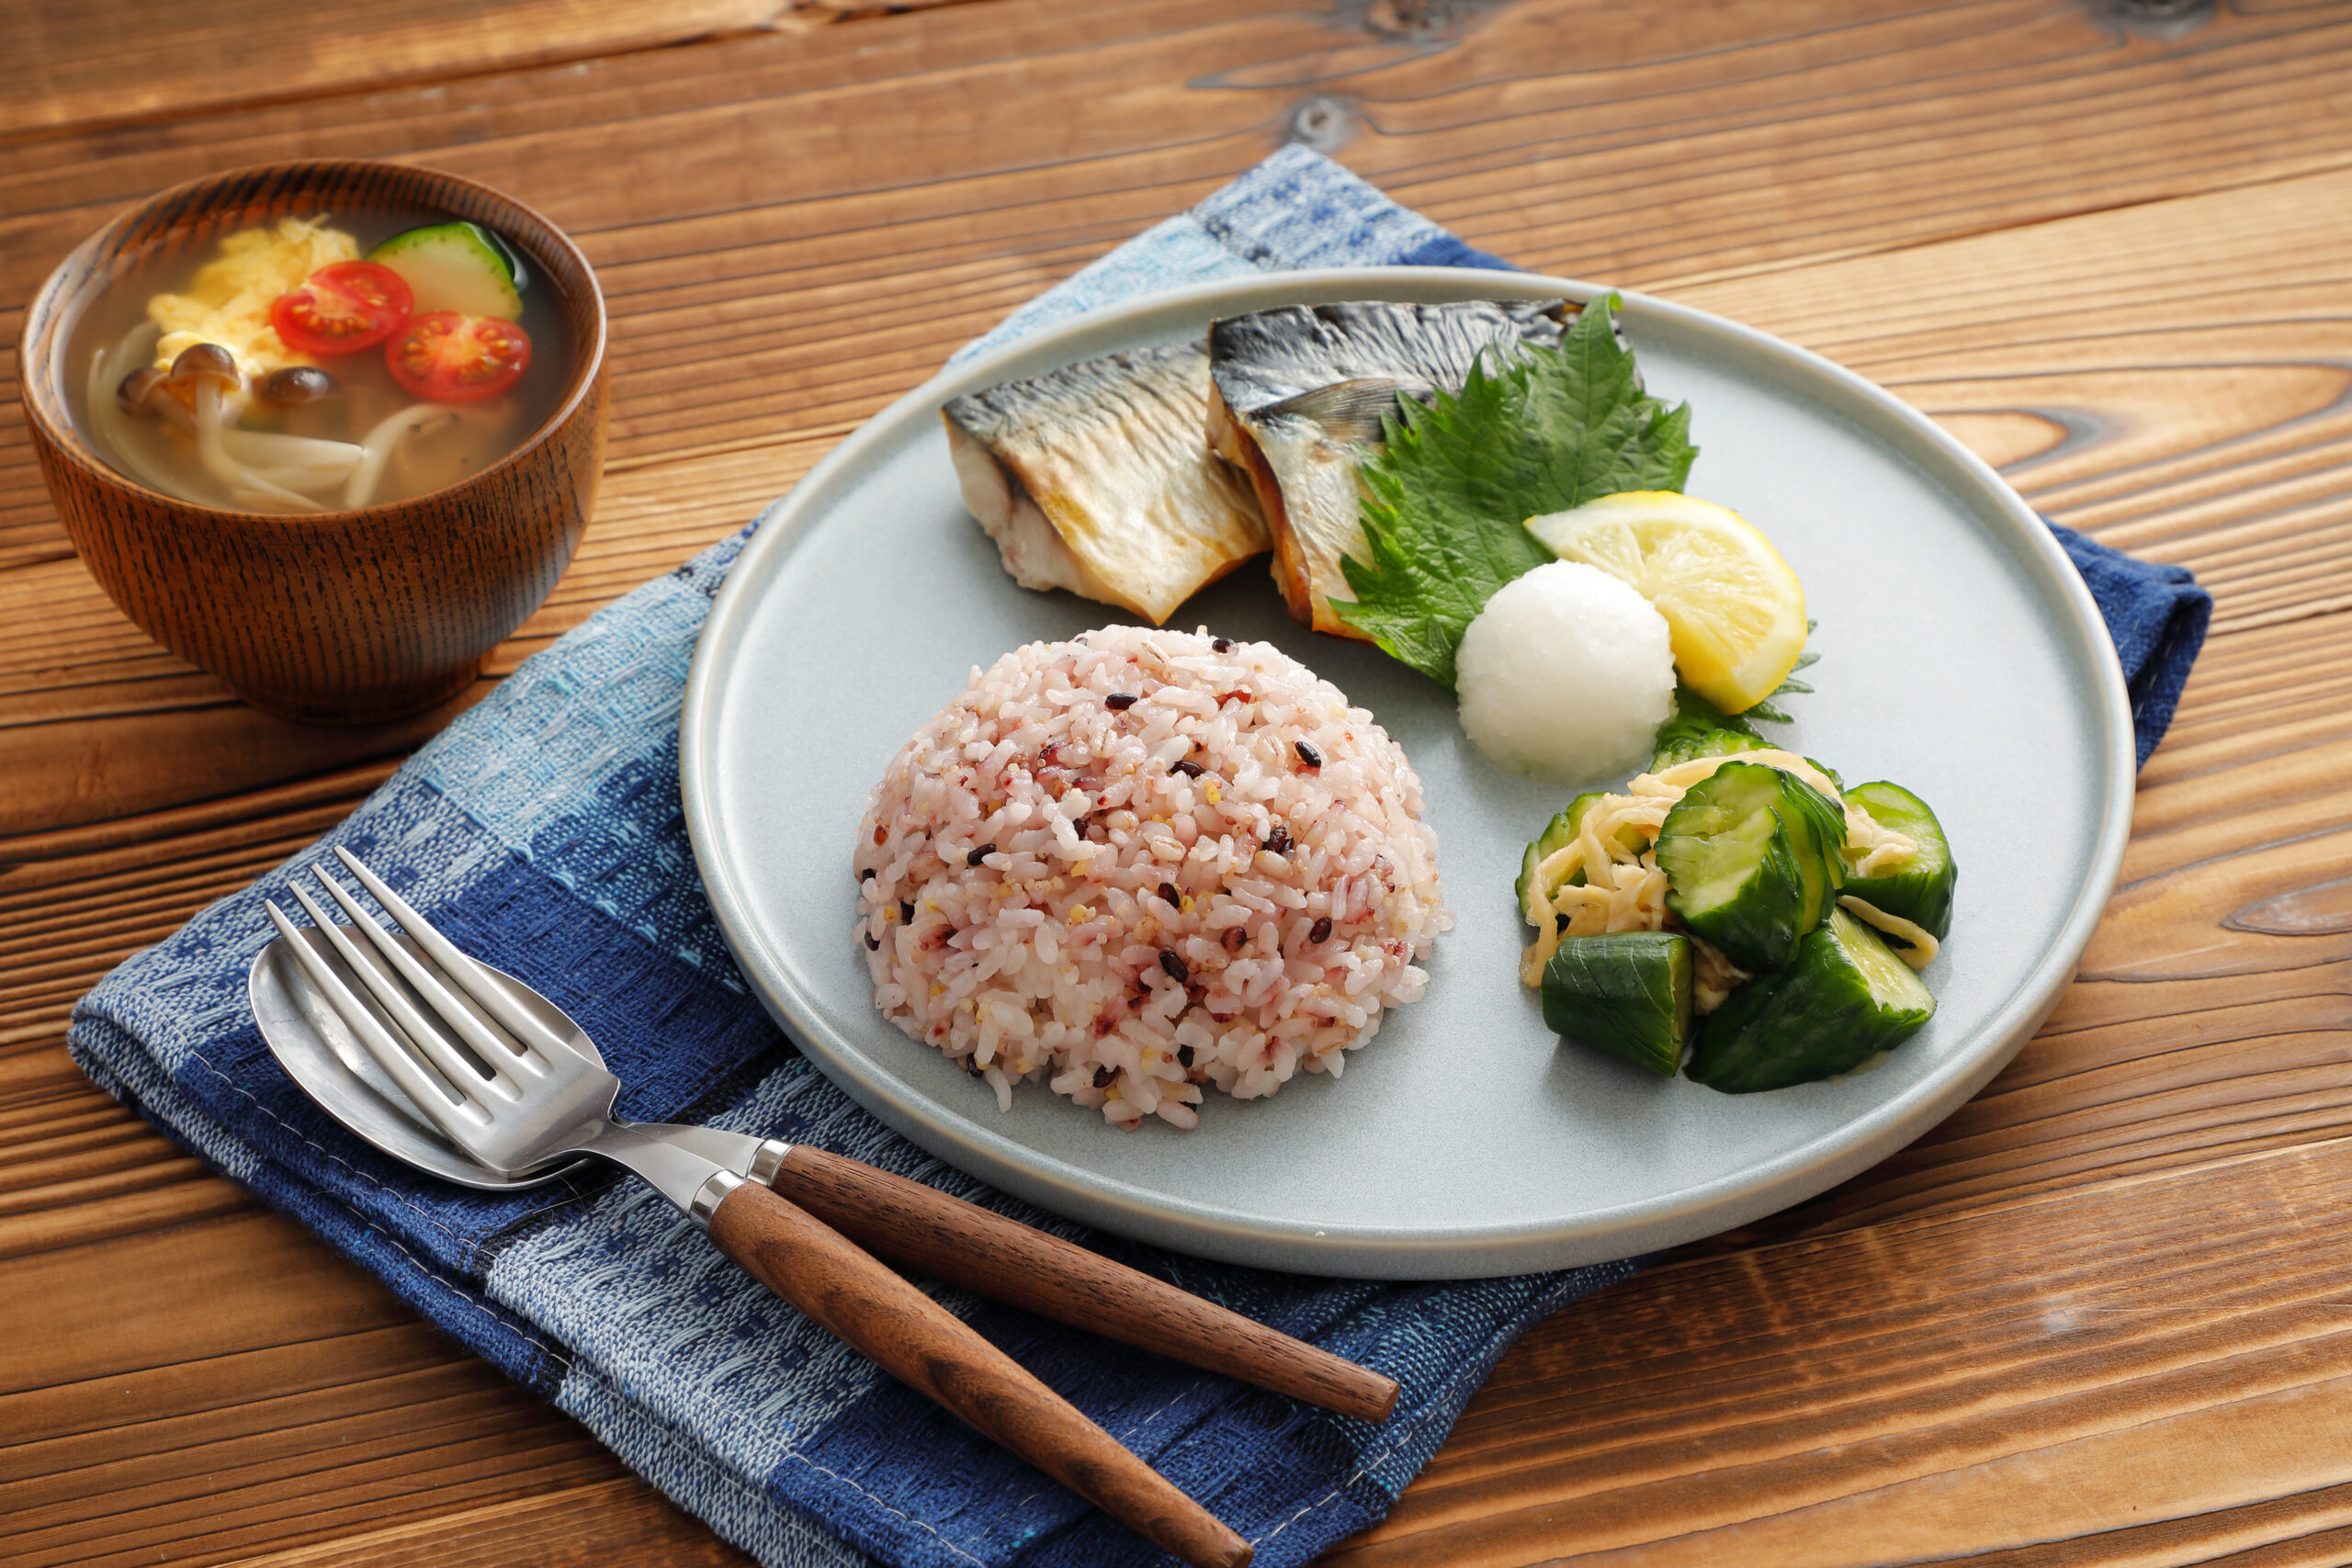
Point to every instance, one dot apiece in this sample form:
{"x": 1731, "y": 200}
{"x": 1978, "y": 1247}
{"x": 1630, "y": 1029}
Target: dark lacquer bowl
{"x": 335, "y": 617}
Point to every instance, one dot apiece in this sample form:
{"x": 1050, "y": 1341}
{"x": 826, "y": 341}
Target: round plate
{"x": 1961, "y": 656}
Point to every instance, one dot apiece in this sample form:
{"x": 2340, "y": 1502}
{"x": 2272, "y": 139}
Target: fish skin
{"x": 1296, "y": 400}
{"x": 1095, "y": 478}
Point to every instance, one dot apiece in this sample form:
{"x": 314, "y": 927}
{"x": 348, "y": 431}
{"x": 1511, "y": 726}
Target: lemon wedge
{"x": 1733, "y": 610}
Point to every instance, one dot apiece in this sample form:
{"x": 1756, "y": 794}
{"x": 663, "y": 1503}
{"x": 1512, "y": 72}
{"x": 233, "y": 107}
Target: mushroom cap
{"x": 293, "y": 385}
{"x": 205, "y": 361}
{"x": 137, "y": 389}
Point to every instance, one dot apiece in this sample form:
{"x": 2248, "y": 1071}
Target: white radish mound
{"x": 1566, "y": 675}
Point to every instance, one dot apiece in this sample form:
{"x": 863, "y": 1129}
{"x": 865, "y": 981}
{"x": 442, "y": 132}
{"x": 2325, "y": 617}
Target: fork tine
{"x": 497, "y": 1054}
{"x": 424, "y": 1089}
{"x": 464, "y": 1080}
{"x": 469, "y": 976}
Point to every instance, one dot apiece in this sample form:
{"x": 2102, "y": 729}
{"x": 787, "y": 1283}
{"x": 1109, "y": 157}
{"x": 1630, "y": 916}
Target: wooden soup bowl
{"x": 334, "y": 617}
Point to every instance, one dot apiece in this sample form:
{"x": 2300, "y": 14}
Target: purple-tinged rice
{"x": 1017, "y": 862}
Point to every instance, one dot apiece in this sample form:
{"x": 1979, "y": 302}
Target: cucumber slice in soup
{"x": 1752, "y": 861}
{"x": 1920, "y": 890}
{"x": 1627, "y": 993}
{"x": 457, "y": 266}
{"x": 1842, "y": 999}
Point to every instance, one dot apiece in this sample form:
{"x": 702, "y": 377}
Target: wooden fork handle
{"x": 933, "y": 1352}
{"x": 1007, "y": 1261}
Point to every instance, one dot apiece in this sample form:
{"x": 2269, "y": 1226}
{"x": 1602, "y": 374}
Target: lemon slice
{"x": 1733, "y": 608}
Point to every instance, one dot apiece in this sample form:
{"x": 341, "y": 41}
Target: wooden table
{"x": 2096, "y": 1318}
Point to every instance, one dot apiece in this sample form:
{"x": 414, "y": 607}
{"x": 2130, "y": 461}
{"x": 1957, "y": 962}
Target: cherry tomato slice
{"x": 343, "y": 309}
{"x": 446, "y": 356}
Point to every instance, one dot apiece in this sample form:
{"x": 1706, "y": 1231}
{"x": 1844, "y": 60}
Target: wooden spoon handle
{"x": 1007, "y": 1261}
{"x": 932, "y": 1351}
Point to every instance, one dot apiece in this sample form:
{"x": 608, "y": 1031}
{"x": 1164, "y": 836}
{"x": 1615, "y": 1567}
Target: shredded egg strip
{"x": 1918, "y": 949}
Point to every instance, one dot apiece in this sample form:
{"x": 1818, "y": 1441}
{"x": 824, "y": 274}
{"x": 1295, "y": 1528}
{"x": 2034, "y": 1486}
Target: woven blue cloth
{"x": 543, "y": 830}
{"x": 2156, "y": 614}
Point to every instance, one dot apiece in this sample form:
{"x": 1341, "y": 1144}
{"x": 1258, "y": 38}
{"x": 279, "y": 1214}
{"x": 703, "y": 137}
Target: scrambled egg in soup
{"x": 228, "y": 299}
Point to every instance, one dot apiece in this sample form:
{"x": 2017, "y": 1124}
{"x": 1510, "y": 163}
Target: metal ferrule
{"x": 710, "y": 1195}
{"x": 766, "y": 1159}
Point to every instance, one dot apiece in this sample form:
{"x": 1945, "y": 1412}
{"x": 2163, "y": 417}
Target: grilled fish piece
{"x": 1296, "y": 396}
{"x": 1095, "y": 478}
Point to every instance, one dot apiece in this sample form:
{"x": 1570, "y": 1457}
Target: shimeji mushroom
{"x": 205, "y": 391}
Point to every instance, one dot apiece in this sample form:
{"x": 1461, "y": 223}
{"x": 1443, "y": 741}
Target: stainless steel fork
{"x": 511, "y": 1092}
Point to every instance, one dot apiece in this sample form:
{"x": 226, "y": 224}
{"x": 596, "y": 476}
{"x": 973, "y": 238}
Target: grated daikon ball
{"x": 1566, "y": 674}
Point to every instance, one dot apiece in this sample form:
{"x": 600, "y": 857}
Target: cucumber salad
{"x": 1738, "y": 913}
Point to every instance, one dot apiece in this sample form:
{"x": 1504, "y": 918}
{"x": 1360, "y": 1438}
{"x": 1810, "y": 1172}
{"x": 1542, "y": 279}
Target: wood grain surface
{"x": 2095, "y": 1318}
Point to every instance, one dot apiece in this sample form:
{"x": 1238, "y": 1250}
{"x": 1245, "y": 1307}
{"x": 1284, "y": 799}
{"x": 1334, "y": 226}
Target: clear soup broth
{"x": 289, "y": 416}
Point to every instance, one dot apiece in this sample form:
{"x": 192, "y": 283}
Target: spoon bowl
{"x": 319, "y": 1051}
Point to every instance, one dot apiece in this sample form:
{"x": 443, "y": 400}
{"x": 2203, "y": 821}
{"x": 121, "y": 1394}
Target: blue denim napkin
{"x": 542, "y": 830}
{"x": 2156, "y": 614}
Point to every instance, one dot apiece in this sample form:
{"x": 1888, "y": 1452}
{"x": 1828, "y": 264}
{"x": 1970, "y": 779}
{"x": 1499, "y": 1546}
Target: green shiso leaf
{"x": 1446, "y": 503}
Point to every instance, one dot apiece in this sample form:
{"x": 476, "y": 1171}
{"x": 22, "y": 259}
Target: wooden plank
{"x": 600, "y": 1523}
{"x": 113, "y": 61}
{"x": 2179, "y": 1352}
{"x": 300, "y": 1403}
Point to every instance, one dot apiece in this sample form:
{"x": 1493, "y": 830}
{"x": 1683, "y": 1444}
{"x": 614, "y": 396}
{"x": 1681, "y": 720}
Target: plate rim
{"x": 1409, "y": 1252}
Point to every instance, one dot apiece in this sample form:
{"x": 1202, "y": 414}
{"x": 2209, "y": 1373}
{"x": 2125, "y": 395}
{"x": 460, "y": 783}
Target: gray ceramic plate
{"x": 1961, "y": 656}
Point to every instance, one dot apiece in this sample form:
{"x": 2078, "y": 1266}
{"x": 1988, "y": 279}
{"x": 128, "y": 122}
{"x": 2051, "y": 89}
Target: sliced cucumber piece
{"x": 1920, "y": 889}
{"x": 1685, "y": 744}
{"x": 1752, "y": 861}
{"x": 1627, "y": 993}
{"x": 1842, "y": 999}
{"x": 1819, "y": 822}
{"x": 1557, "y": 836}
{"x": 457, "y": 266}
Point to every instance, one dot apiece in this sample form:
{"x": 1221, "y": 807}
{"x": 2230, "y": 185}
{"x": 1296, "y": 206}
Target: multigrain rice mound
{"x": 1142, "y": 862}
